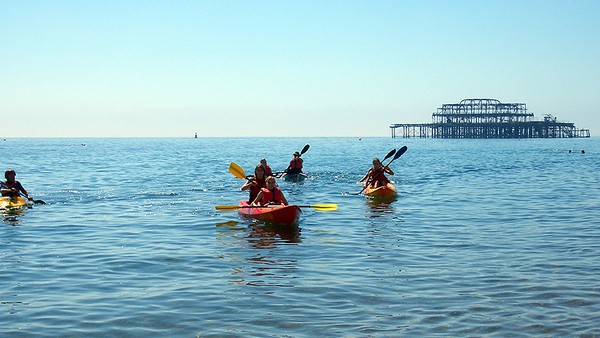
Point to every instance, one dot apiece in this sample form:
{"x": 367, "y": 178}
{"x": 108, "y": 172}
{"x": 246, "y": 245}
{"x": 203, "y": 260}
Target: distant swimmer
{"x": 582, "y": 151}
{"x": 570, "y": 151}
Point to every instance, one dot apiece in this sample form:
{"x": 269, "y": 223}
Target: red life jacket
{"x": 255, "y": 189}
{"x": 271, "y": 196}
{"x": 296, "y": 163}
{"x": 378, "y": 177}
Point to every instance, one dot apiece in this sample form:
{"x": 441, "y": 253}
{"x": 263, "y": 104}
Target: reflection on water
{"x": 11, "y": 215}
{"x": 262, "y": 267}
{"x": 380, "y": 205}
{"x": 264, "y": 236}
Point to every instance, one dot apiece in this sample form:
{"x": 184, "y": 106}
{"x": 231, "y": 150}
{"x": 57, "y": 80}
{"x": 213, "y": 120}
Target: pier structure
{"x": 487, "y": 118}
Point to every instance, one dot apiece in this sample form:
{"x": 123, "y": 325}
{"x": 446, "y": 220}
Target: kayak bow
{"x": 275, "y": 214}
{"x": 385, "y": 191}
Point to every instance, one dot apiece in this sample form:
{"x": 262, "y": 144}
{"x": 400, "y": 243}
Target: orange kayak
{"x": 386, "y": 191}
{"x": 276, "y": 214}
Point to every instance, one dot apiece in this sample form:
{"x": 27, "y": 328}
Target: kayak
{"x": 276, "y": 214}
{"x": 295, "y": 177}
{"x": 385, "y": 191}
{"x": 12, "y": 202}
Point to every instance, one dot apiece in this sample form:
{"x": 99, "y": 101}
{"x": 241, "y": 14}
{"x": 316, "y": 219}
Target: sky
{"x": 287, "y": 68}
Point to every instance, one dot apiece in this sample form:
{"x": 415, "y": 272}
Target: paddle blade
{"x": 400, "y": 152}
{"x": 390, "y": 154}
{"x": 305, "y": 149}
{"x": 321, "y": 207}
{"x": 236, "y": 170}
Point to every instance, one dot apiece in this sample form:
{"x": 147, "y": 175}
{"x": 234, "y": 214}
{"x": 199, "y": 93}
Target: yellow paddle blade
{"x": 236, "y": 170}
{"x": 323, "y": 207}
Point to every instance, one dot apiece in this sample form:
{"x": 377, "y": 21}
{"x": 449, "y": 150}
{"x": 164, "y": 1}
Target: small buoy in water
{"x": 582, "y": 151}
{"x": 570, "y": 151}
{"x": 360, "y": 138}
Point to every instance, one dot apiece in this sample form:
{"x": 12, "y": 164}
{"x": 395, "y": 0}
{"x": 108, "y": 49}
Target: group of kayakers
{"x": 263, "y": 186}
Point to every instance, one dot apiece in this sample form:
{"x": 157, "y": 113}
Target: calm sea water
{"x": 487, "y": 238}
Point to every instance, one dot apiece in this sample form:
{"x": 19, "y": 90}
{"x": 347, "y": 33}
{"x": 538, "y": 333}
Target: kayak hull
{"x": 385, "y": 191}
{"x": 295, "y": 177}
{"x": 12, "y": 202}
{"x": 275, "y": 214}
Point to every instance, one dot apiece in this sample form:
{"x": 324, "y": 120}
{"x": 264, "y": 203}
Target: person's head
{"x": 10, "y": 174}
{"x": 376, "y": 163}
{"x": 263, "y": 161}
{"x": 259, "y": 171}
{"x": 270, "y": 182}
{"x": 296, "y": 154}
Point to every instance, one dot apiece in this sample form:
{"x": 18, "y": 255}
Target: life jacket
{"x": 378, "y": 177}
{"x": 13, "y": 185}
{"x": 271, "y": 196}
{"x": 296, "y": 163}
{"x": 10, "y": 185}
{"x": 268, "y": 171}
{"x": 255, "y": 189}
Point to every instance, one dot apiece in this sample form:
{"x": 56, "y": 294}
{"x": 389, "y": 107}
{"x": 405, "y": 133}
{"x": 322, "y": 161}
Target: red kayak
{"x": 276, "y": 214}
{"x": 385, "y": 191}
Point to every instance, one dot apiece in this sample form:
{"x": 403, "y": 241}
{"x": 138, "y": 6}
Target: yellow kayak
{"x": 12, "y": 202}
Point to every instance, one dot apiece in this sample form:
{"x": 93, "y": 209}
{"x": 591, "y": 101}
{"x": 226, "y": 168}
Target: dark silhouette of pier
{"x": 488, "y": 118}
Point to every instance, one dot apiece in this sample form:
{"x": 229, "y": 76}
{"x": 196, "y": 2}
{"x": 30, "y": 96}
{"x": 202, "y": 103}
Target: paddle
{"x": 237, "y": 171}
{"x": 319, "y": 207}
{"x": 305, "y": 149}
{"x": 20, "y": 193}
{"x": 391, "y": 153}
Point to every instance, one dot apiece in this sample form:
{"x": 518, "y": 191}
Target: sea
{"x": 486, "y": 238}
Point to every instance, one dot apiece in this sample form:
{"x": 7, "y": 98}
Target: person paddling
{"x": 270, "y": 195}
{"x": 375, "y": 176}
{"x": 295, "y": 166}
{"x": 268, "y": 170}
{"x": 255, "y": 183}
{"x": 12, "y": 187}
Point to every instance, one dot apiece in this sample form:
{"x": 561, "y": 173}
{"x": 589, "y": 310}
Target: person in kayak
{"x": 375, "y": 176}
{"x": 270, "y": 195}
{"x": 255, "y": 183}
{"x": 295, "y": 166}
{"x": 12, "y": 187}
{"x": 268, "y": 171}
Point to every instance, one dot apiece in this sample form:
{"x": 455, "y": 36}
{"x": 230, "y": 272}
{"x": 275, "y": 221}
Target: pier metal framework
{"x": 487, "y": 118}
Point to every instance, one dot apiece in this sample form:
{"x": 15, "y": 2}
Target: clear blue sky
{"x": 287, "y": 68}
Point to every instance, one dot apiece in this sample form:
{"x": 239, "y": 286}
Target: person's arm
{"x": 366, "y": 175}
{"x": 285, "y": 202}
{"x": 248, "y": 184}
{"x": 388, "y": 170}
{"x": 258, "y": 199}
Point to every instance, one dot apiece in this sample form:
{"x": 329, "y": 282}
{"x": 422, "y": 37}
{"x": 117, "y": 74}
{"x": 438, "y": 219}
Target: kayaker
{"x": 12, "y": 187}
{"x": 375, "y": 176}
{"x": 255, "y": 183}
{"x": 268, "y": 171}
{"x": 270, "y": 195}
{"x": 295, "y": 166}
